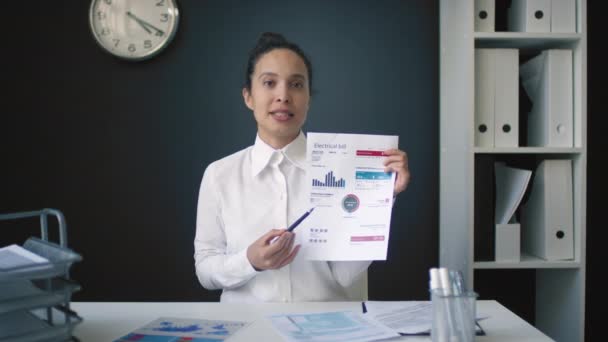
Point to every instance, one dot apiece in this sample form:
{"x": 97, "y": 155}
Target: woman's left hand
{"x": 396, "y": 161}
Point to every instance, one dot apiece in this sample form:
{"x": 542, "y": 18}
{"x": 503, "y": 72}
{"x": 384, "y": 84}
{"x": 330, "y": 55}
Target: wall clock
{"x": 133, "y": 29}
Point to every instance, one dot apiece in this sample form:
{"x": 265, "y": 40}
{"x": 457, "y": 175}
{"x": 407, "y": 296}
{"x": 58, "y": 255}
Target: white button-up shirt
{"x": 242, "y": 197}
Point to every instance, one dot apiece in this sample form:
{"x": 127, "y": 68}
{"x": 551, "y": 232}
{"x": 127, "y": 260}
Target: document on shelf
{"x": 329, "y": 327}
{"x": 511, "y": 184}
{"x": 351, "y": 194}
{"x": 171, "y": 329}
{"x": 15, "y": 257}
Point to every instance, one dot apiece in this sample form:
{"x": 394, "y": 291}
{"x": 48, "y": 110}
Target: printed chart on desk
{"x": 352, "y": 196}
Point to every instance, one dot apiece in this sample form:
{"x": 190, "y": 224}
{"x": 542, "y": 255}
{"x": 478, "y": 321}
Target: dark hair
{"x": 267, "y": 42}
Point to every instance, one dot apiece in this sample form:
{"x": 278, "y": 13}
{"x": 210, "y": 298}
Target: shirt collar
{"x": 262, "y": 153}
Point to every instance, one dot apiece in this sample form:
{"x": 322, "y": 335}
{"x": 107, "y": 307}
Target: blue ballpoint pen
{"x": 298, "y": 221}
{"x": 295, "y": 224}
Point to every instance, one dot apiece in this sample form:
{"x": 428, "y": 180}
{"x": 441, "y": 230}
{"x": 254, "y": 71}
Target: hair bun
{"x": 271, "y": 38}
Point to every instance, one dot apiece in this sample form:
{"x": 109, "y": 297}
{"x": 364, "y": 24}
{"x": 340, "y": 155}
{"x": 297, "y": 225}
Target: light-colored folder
{"x": 506, "y": 98}
{"x": 529, "y": 16}
{"x": 484, "y": 97}
{"x": 508, "y": 242}
{"x": 547, "y": 78}
{"x": 563, "y": 18}
{"x": 547, "y": 218}
{"x": 485, "y": 14}
{"x": 511, "y": 184}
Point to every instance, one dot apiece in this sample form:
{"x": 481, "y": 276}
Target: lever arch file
{"x": 547, "y": 78}
{"x": 529, "y": 16}
{"x": 547, "y": 218}
{"x": 506, "y": 103}
{"x": 496, "y": 97}
{"x": 484, "y": 97}
{"x": 562, "y": 16}
{"x": 485, "y": 14}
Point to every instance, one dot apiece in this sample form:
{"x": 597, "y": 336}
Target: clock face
{"x": 133, "y": 29}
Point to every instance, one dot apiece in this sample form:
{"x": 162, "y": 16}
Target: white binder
{"x": 485, "y": 14}
{"x": 563, "y": 16}
{"x": 547, "y": 78}
{"x": 529, "y": 16}
{"x": 484, "y": 97}
{"x": 547, "y": 218}
{"x": 506, "y": 98}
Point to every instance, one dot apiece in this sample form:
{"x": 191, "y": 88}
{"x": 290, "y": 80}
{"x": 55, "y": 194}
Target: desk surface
{"x": 106, "y": 321}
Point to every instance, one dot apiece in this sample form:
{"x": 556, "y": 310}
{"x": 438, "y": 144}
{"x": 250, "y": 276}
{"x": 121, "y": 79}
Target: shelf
{"x": 528, "y": 150}
{"x": 525, "y": 40}
{"x": 466, "y": 167}
{"x": 527, "y": 261}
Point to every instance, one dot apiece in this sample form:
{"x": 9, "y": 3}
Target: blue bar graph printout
{"x": 330, "y": 181}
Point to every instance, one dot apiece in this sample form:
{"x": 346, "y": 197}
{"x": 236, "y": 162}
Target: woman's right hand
{"x": 264, "y": 254}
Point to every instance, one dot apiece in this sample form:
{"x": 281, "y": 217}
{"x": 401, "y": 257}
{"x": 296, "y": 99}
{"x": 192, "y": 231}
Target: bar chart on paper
{"x": 330, "y": 181}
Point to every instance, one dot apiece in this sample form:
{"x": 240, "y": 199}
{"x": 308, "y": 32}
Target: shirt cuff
{"x": 242, "y": 264}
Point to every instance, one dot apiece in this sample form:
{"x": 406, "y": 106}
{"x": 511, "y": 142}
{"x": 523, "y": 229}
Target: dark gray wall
{"x": 121, "y": 147}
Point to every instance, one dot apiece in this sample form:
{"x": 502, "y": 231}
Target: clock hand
{"x": 139, "y": 21}
{"x": 145, "y": 23}
{"x": 159, "y": 32}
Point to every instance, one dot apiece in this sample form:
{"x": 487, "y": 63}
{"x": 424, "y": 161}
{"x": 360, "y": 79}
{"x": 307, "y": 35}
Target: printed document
{"x": 511, "y": 184}
{"x": 351, "y": 194}
{"x": 15, "y": 257}
{"x": 172, "y": 329}
{"x": 330, "y": 326}
{"x": 407, "y": 318}
{"x": 412, "y": 317}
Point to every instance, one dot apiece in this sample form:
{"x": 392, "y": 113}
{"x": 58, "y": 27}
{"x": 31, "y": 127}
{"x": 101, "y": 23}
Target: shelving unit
{"x": 35, "y": 298}
{"x": 560, "y": 285}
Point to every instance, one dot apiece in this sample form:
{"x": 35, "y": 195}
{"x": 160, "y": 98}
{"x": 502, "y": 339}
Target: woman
{"x": 264, "y": 186}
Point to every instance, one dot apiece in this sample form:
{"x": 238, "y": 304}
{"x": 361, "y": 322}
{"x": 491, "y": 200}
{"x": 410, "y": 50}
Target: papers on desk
{"x": 329, "y": 327}
{"x": 14, "y": 257}
{"x": 170, "y": 329}
{"x": 406, "y": 318}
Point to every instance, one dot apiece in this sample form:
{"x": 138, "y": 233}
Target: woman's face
{"x": 279, "y": 96}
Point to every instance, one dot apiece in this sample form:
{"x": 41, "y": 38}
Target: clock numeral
{"x": 109, "y": 2}
{"x": 159, "y": 33}
{"x": 105, "y": 31}
{"x": 164, "y": 17}
{"x": 160, "y": 3}
{"x": 116, "y": 41}
{"x": 131, "y": 48}
{"x": 147, "y": 44}
{"x": 101, "y": 15}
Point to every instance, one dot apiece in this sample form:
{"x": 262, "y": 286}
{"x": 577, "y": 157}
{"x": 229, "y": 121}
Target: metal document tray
{"x": 20, "y": 294}
{"x": 59, "y": 255}
{"x": 26, "y": 326}
{"x": 60, "y": 260}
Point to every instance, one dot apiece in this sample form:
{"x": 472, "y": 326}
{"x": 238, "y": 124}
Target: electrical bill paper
{"x": 351, "y": 194}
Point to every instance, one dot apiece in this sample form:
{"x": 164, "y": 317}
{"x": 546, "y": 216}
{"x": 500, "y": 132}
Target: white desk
{"x": 108, "y": 321}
